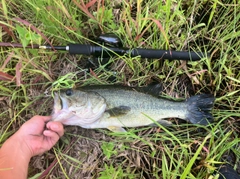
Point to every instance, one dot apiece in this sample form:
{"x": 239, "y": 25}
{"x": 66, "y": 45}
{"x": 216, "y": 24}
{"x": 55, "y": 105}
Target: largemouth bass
{"x": 117, "y": 107}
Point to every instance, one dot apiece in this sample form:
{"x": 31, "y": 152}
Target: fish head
{"x": 75, "y": 107}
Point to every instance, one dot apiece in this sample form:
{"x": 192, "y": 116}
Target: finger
{"x": 52, "y": 135}
{"x": 56, "y": 127}
{"x": 44, "y": 118}
{"x": 35, "y": 125}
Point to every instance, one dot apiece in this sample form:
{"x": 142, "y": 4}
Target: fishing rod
{"x": 111, "y": 46}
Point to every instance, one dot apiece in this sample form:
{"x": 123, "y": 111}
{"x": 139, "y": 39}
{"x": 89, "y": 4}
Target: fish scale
{"x": 134, "y": 99}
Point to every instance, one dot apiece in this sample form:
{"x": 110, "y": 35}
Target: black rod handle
{"x": 168, "y": 54}
{"x": 80, "y": 49}
{"x": 99, "y": 51}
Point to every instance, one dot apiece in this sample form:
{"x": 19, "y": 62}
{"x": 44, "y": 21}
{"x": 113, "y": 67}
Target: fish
{"x": 116, "y": 108}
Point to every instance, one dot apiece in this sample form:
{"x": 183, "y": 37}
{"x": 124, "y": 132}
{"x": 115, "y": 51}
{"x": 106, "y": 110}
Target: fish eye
{"x": 69, "y": 92}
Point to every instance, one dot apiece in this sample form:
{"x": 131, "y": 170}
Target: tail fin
{"x": 199, "y": 109}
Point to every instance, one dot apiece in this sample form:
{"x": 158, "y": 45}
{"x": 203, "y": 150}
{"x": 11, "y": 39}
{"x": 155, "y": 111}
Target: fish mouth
{"x": 60, "y": 108}
{"x": 58, "y": 103}
{"x": 60, "y": 112}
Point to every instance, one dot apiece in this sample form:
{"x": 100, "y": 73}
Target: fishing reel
{"x": 110, "y": 40}
{"x": 107, "y": 40}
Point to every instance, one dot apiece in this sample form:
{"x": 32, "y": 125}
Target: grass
{"x": 28, "y": 77}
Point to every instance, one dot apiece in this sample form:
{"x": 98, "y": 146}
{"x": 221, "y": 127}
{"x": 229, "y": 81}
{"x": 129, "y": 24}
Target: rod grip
{"x": 98, "y": 51}
{"x": 167, "y": 54}
{"x": 83, "y": 49}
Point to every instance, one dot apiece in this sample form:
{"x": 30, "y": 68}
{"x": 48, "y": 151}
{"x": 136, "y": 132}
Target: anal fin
{"x": 116, "y": 129}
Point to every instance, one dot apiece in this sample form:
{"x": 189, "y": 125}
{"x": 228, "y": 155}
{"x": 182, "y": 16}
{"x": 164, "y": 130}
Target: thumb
{"x": 52, "y": 136}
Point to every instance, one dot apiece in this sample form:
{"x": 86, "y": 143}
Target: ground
{"x": 28, "y": 77}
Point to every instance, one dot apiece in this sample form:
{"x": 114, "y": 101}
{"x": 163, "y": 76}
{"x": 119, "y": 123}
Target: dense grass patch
{"x": 28, "y": 76}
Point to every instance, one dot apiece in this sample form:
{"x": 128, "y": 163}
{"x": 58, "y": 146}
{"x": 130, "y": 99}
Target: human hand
{"x": 39, "y": 134}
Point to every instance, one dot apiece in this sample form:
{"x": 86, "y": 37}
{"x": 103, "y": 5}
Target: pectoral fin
{"x": 117, "y": 111}
{"x": 116, "y": 129}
